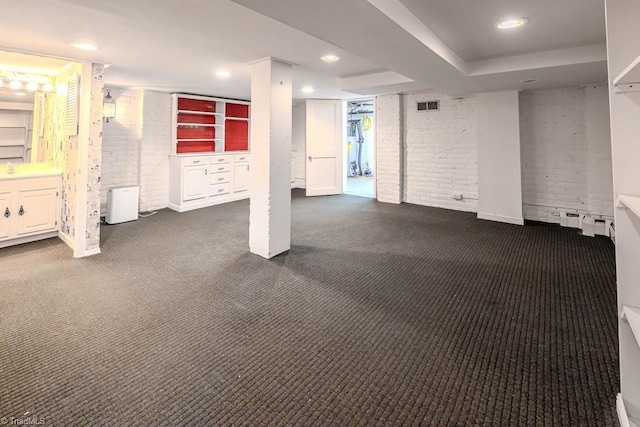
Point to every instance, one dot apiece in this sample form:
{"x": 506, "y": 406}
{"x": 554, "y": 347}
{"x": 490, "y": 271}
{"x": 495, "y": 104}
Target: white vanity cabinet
{"x": 29, "y": 207}
{"x": 198, "y": 181}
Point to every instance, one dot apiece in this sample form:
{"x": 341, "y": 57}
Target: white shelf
{"x": 237, "y": 118}
{"x": 205, "y": 125}
{"x": 632, "y": 315}
{"x": 200, "y": 139}
{"x": 199, "y": 113}
{"x": 629, "y": 78}
{"x": 630, "y": 202}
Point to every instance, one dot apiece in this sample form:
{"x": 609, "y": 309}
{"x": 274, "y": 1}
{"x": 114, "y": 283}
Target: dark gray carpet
{"x": 379, "y": 315}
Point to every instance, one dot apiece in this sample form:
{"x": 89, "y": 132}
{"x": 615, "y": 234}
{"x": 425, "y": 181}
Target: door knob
{"x": 7, "y": 213}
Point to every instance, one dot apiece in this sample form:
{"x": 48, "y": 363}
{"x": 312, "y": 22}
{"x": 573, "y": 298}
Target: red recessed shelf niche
{"x": 209, "y": 125}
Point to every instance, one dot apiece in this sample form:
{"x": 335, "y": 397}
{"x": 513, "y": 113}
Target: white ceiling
{"x": 385, "y": 45}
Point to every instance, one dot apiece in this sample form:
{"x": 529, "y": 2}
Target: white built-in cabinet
{"x": 201, "y": 180}
{"x": 623, "y": 52}
{"x": 29, "y": 207}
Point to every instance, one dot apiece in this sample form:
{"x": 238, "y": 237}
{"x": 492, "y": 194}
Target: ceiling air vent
{"x": 429, "y": 106}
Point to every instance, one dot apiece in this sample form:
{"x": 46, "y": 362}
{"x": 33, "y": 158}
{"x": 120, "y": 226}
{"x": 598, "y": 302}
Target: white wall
{"x": 389, "y": 147}
{"x": 566, "y": 154}
{"x": 441, "y": 157}
{"x": 155, "y": 147}
{"x": 136, "y": 146}
{"x": 499, "y": 178}
{"x": 299, "y": 143}
{"x": 121, "y": 143}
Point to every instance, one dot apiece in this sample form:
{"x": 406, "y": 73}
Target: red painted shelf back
{"x": 196, "y": 132}
{"x": 237, "y": 110}
{"x": 196, "y": 105}
{"x": 195, "y": 146}
{"x": 197, "y": 118}
{"x": 236, "y": 135}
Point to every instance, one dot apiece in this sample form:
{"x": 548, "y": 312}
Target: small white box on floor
{"x": 122, "y": 204}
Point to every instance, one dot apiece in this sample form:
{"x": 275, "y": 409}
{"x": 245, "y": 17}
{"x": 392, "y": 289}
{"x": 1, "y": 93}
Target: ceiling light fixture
{"x": 512, "y": 23}
{"x": 84, "y": 46}
{"x": 330, "y": 58}
{"x": 222, "y": 74}
{"x": 307, "y": 89}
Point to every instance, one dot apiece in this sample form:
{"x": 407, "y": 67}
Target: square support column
{"x": 270, "y": 186}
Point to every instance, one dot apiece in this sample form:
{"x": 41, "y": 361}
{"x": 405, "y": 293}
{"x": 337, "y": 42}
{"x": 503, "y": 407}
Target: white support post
{"x": 270, "y": 187}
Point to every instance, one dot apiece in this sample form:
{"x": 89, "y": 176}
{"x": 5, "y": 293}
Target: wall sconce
{"x": 108, "y": 106}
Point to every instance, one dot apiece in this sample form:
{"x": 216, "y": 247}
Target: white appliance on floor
{"x": 122, "y": 204}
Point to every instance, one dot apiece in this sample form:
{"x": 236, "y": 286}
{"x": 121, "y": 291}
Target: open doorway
{"x": 360, "y": 148}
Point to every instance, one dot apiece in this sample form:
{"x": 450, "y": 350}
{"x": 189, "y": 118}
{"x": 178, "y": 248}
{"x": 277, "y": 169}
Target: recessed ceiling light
{"x": 222, "y": 74}
{"x": 15, "y": 84}
{"x": 512, "y": 23}
{"x": 330, "y": 58}
{"x": 84, "y": 46}
{"x": 528, "y": 81}
{"x": 307, "y": 89}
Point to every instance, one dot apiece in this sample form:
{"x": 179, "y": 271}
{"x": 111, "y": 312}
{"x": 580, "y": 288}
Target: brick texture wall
{"x": 566, "y": 153}
{"x": 441, "y": 155}
{"x": 155, "y": 148}
{"x": 389, "y": 147}
{"x": 121, "y": 143}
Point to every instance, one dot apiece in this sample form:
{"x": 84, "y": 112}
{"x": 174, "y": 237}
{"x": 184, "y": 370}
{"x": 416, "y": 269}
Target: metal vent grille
{"x": 429, "y": 106}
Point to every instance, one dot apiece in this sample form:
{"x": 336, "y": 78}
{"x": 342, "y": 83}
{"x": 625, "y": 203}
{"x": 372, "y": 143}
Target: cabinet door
{"x": 240, "y": 177}
{"x": 36, "y": 211}
{"x": 195, "y": 183}
{"x": 6, "y": 208}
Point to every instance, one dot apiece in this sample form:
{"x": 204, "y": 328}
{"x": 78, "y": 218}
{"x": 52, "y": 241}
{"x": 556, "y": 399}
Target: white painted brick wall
{"x": 441, "y": 152}
{"x": 389, "y": 148}
{"x": 121, "y": 143}
{"x": 566, "y": 153}
{"x": 600, "y": 174}
{"x": 154, "y": 151}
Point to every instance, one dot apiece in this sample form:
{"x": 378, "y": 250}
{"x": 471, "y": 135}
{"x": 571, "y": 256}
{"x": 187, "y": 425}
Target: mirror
{"x": 16, "y": 125}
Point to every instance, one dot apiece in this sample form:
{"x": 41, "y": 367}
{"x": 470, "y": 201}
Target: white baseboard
{"x": 70, "y": 241}
{"x": 500, "y": 218}
{"x": 28, "y": 239}
{"x": 623, "y": 418}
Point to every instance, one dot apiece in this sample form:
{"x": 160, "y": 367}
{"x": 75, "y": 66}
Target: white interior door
{"x": 324, "y": 147}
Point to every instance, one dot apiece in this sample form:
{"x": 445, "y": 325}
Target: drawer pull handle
{"x": 196, "y": 161}
{"x": 21, "y": 211}
{"x": 220, "y": 160}
{"x": 7, "y": 213}
{"x": 220, "y": 179}
{"x": 220, "y": 190}
{"x": 220, "y": 169}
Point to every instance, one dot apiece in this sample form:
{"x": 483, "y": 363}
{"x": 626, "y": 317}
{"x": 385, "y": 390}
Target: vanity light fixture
{"x": 15, "y": 84}
{"x": 108, "y": 107}
{"x": 330, "y": 58}
{"x": 512, "y": 23}
{"x": 47, "y": 88}
{"x": 32, "y": 86}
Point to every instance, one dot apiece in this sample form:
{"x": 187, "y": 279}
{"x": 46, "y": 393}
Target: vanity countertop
{"x": 27, "y": 170}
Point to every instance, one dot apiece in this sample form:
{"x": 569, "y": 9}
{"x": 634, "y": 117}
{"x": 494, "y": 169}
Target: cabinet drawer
{"x": 192, "y": 161}
{"x": 219, "y": 189}
{"x": 216, "y": 160}
{"x": 219, "y": 178}
{"x": 223, "y": 167}
{"x": 241, "y": 158}
{"x": 49, "y": 183}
